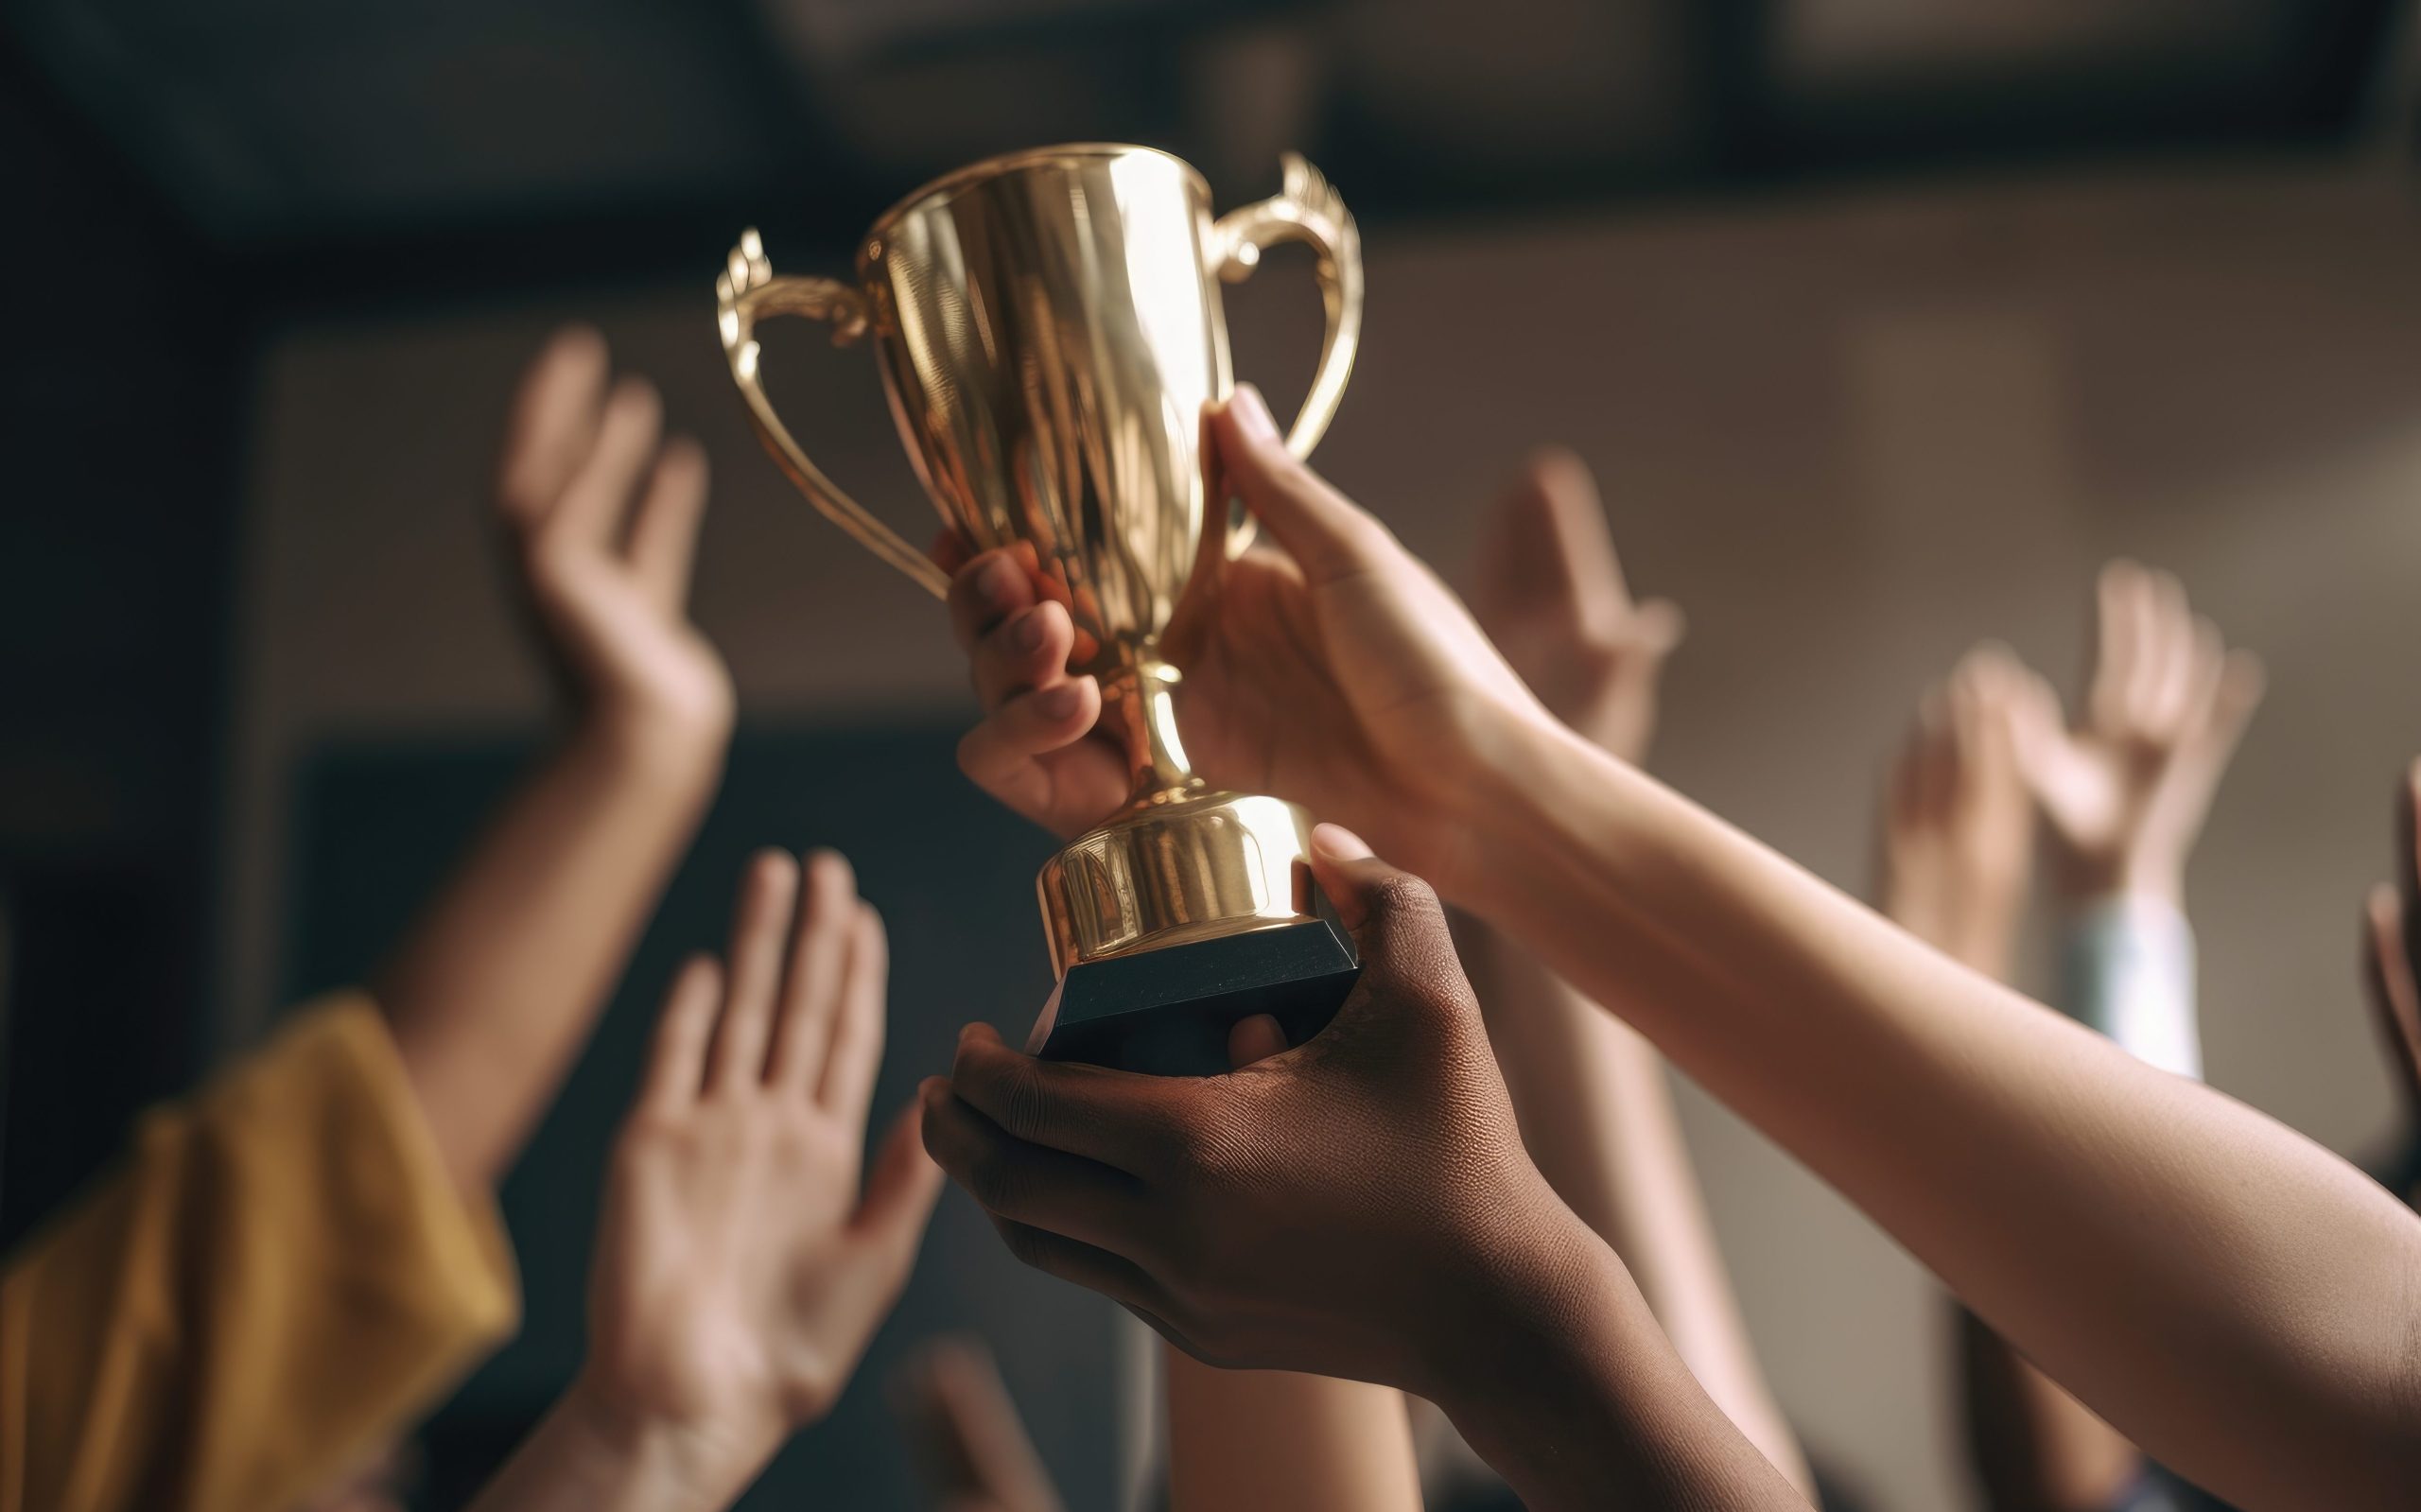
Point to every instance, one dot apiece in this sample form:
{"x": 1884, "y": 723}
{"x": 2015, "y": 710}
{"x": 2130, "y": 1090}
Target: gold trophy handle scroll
{"x": 747, "y": 291}
{"x": 1306, "y": 209}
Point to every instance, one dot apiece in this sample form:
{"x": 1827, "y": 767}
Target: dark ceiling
{"x": 463, "y": 142}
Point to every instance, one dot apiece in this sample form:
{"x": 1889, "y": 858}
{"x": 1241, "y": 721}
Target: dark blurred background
{"x": 1882, "y": 321}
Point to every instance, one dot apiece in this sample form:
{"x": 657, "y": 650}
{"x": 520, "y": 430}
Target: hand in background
{"x": 2392, "y": 953}
{"x": 966, "y": 1433}
{"x": 1551, "y": 595}
{"x": 604, "y": 516}
{"x": 1341, "y": 674}
{"x": 2126, "y": 791}
{"x": 740, "y": 1268}
{"x": 1958, "y": 821}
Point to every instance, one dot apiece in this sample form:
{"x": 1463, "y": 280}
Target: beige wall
{"x": 1850, "y": 437}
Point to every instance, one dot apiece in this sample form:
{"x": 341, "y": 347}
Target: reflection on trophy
{"x": 1049, "y": 328}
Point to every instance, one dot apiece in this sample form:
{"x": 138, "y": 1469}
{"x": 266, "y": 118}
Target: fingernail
{"x": 1026, "y": 635}
{"x": 931, "y": 1089}
{"x": 1339, "y": 843}
{"x": 1061, "y": 701}
{"x": 997, "y": 580}
{"x": 1252, "y": 413}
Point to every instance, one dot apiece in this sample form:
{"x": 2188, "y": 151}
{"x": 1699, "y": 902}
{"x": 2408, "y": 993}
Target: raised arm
{"x": 741, "y": 1264}
{"x": 495, "y": 989}
{"x": 2044, "y": 1174}
{"x": 1595, "y": 1110}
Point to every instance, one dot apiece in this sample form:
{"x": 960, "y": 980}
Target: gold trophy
{"x": 1049, "y": 328}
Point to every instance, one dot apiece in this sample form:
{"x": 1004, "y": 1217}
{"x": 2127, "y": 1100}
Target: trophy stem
{"x": 1143, "y": 693}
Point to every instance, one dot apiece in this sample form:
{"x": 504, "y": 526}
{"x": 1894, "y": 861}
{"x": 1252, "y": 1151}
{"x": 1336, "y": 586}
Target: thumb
{"x": 1327, "y": 534}
{"x": 1394, "y": 917}
{"x": 900, "y": 1189}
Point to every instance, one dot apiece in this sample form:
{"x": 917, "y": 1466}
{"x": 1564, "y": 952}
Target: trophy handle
{"x": 1306, "y": 209}
{"x": 746, "y": 291}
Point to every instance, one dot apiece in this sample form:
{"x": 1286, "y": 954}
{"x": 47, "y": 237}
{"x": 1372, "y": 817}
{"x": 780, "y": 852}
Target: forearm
{"x": 1598, "y": 1116}
{"x": 1273, "y": 1439}
{"x": 1570, "y": 1392}
{"x": 585, "y": 1457}
{"x": 496, "y": 986}
{"x": 2177, "y": 1258}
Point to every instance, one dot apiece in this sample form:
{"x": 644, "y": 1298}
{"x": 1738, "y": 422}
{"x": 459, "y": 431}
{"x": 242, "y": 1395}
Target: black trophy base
{"x": 1167, "y": 1012}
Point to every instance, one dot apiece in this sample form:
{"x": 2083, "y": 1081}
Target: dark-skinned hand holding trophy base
{"x": 1049, "y": 329}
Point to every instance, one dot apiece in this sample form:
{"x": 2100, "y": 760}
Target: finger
{"x": 2171, "y": 670}
{"x": 1253, "y": 1039}
{"x": 1327, "y": 534}
{"x": 1027, "y": 650}
{"x": 2115, "y": 645}
{"x": 1546, "y": 541}
{"x": 593, "y": 502}
{"x": 1394, "y": 917}
{"x": 676, "y": 1064}
{"x": 998, "y": 755}
{"x": 2396, "y": 997}
{"x": 553, "y": 422}
{"x": 858, "y": 1028}
{"x": 1656, "y": 628}
{"x": 1114, "y": 1117}
{"x": 664, "y": 534}
{"x": 1030, "y": 1182}
{"x": 1094, "y": 1269}
{"x": 968, "y": 1428}
{"x": 2149, "y": 609}
{"x": 1937, "y": 769}
{"x": 2037, "y": 728}
{"x": 900, "y": 1189}
{"x": 950, "y": 550}
{"x": 2408, "y": 859}
{"x": 986, "y": 590}
{"x": 759, "y": 923}
{"x": 818, "y": 962}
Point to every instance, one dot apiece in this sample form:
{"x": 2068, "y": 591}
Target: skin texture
{"x": 1595, "y": 1111}
{"x": 2244, "y": 1303}
{"x": 1360, "y": 1206}
{"x": 967, "y": 1438}
{"x": 497, "y": 984}
{"x": 741, "y": 1267}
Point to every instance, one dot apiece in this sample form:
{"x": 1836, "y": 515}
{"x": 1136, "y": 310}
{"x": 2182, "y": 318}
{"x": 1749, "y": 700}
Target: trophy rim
{"x": 950, "y": 185}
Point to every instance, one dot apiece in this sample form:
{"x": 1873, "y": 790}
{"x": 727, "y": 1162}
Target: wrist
{"x": 2088, "y": 880}
{"x": 680, "y": 1464}
{"x": 1503, "y": 806}
{"x": 666, "y": 741}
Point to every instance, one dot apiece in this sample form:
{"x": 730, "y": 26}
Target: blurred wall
{"x": 1850, "y": 436}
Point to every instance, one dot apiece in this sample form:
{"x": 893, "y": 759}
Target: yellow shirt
{"x": 281, "y": 1276}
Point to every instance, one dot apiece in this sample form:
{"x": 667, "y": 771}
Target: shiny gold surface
{"x": 1048, "y": 327}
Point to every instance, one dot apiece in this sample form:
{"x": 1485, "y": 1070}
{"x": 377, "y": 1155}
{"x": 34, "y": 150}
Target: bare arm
{"x": 496, "y": 986}
{"x": 1596, "y": 1111}
{"x": 2242, "y": 1302}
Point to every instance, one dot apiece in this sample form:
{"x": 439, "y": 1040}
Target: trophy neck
{"x": 1142, "y": 696}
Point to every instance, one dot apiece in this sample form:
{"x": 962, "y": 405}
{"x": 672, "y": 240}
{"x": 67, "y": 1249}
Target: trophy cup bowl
{"x": 1049, "y": 328}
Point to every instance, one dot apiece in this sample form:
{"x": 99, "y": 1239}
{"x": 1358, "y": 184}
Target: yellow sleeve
{"x": 280, "y": 1275}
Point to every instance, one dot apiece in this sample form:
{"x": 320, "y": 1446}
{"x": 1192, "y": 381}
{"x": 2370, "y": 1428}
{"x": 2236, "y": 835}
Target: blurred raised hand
{"x": 604, "y": 512}
{"x": 742, "y": 1262}
{"x": 1958, "y": 819}
{"x": 1550, "y": 592}
{"x": 2125, "y": 789}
